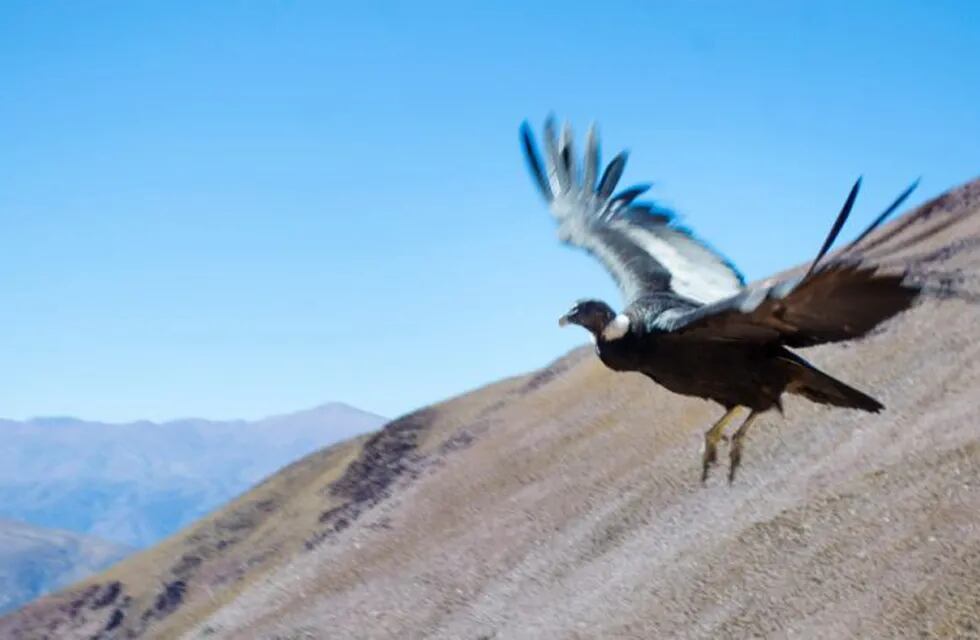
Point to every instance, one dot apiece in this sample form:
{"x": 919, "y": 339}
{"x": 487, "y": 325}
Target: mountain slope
{"x": 567, "y": 504}
{"x": 34, "y": 561}
{"x": 136, "y": 483}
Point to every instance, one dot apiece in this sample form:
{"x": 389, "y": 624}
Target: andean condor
{"x": 690, "y": 323}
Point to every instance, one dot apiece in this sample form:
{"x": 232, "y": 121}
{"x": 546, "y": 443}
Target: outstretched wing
{"x": 840, "y": 300}
{"x": 639, "y": 243}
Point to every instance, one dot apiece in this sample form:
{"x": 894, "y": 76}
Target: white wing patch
{"x": 695, "y": 272}
{"x": 617, "y": 328}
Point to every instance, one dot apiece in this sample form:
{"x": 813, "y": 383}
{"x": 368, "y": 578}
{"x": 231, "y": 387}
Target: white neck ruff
{"x": 617, "y": 328}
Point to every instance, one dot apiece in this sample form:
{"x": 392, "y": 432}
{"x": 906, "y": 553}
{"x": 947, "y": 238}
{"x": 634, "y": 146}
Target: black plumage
{"x": 690, "y": 323}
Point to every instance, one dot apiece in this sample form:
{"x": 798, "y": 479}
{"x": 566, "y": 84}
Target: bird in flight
{"x": 689, "y": 322}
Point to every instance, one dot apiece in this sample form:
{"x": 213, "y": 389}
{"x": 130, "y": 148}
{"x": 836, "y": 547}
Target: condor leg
{"x": 735, "y": 453}
{"x": 711, "y": 438}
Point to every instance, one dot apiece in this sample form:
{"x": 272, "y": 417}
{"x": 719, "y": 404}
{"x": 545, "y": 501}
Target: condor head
{"x": 598, "y": 318}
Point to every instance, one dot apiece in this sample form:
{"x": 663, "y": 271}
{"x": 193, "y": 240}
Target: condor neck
{"x": 615, "y": 329}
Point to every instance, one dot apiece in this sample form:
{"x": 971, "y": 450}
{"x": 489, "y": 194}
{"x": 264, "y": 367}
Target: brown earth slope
{"x": 567, "y": 504}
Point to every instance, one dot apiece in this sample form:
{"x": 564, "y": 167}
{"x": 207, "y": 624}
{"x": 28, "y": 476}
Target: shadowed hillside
{"x": 567, "y": 504}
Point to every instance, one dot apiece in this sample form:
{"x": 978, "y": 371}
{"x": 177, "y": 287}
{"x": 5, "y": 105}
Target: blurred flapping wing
{"x": 639, "y": 243}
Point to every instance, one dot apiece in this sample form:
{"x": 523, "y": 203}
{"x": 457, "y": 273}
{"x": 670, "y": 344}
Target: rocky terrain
{"x": 567, "y": 503}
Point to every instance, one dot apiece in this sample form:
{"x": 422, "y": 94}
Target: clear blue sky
{"x": 240, "y": 208}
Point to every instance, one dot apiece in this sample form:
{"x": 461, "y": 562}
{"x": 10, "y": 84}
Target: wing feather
{"x": 639, "y": 243}
{"x": 591, "y": 170}
{"x": 839, "y": 300}
{"x": 556, "y": 171}
{"x": 611, "y": 175}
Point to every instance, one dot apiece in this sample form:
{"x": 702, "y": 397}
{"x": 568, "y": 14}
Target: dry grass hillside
{"x": 567, "y": 504}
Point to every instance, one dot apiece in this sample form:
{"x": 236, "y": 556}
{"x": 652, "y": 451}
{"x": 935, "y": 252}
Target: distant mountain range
{"x": 34, "y": 560}
{"x": 139, "y": 482}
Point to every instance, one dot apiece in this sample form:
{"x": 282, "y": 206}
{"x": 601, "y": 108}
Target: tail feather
{"x": 816, "y": 386}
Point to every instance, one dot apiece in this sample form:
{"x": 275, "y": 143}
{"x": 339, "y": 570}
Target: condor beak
{"x": 562, "y": 321}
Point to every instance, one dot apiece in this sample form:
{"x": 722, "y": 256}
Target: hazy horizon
{"x": 182, "y": 418}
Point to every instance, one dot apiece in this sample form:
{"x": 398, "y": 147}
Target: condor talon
{"x": 712, "y": 436}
